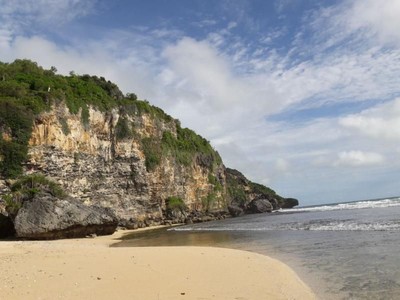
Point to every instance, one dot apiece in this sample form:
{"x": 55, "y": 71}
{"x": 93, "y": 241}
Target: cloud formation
{"x": 358, "y": 158}
{"x": 380, "y": 122}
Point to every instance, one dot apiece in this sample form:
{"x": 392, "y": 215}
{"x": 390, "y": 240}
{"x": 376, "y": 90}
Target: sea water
{"x": 342, "y": 251}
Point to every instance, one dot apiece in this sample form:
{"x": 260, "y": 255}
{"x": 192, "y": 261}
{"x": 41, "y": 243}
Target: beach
{"x": 91, "y": 269}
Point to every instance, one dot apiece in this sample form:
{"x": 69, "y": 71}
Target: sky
{"x": 302, "y": 96}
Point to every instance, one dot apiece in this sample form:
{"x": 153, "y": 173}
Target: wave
{"x": 350, "y": 205}
{"x": 343, "y": 225}
{"x": 316, "y": 225}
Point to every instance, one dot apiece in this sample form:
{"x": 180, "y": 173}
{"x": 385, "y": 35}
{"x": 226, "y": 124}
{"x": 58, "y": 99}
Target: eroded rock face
{"x": 47, "y": 217}
{"x": 92, "y": 165}
{"x": 259, "y": 206}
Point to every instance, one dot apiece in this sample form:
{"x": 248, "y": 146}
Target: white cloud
{"x": 381, "y": 122}
{"x": 358, "y": 158}
{"x": 22, "y": 13}
{"x": 379, "y": 17}
{"x": 361, "y": 23}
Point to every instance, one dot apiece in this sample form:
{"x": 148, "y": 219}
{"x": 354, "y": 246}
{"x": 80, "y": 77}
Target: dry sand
{"x": 90, "y": 269}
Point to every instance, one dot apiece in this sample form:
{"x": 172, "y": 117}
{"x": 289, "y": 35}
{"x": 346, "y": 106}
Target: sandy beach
{"x": 90, "y": 269}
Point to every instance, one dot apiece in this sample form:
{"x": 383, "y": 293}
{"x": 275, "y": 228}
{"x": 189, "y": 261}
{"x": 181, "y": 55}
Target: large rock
{"x": 235, "y": 211}
{"x": 47, "y": 217}
{"x": 6, "y": 226}
{"x": 259, "y": 206}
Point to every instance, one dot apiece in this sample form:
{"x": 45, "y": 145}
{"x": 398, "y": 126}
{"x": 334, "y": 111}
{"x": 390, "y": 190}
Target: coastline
{"x": 91, "y": 269}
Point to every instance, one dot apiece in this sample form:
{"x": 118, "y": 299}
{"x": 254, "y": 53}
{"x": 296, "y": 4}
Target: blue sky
{"x": 303, "y": 96}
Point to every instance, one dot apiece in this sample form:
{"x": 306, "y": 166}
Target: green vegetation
{"x": 216, "y": 194}
{"x": 236, "y": 190}
{"x": 208, "y": 201}
{"x": 26, "y": 188}
{"x": 175, "y": 204}
{"x": 152, "y": 152}
{"x": 187, "y": 146}
{"x": 15, "y": 126}
{"x": 215, "y": 182}
{"x": 64, "y": 126}
{"x": 130, "y": 105}
{"x": 262, "y": 189}
{"x": 30, "y": 185}
{"x": 26, "y": 90}
{"x": 156, "y": 112}
{"x": 123, "y": 129}
{"x": 240, "y": 189}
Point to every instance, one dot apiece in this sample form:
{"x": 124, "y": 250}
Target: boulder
{"x": 48, "y": 217}
{"x": 6, "y": 226}
{"x": 235, "y": 211}
{"x": 259, "y": 206}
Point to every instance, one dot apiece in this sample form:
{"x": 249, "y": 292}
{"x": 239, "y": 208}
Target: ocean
{"x": 342, "y": 251}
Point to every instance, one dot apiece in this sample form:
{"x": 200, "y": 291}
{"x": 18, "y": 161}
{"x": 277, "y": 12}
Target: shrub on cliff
{"x": 26, "y": 188}
{"x": 152, "y": 152}
{"x": 175, "y": 204}
{"x": 188, "y": 145}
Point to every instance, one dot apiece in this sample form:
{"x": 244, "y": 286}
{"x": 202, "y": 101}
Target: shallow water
{"x": 346, "y": 251}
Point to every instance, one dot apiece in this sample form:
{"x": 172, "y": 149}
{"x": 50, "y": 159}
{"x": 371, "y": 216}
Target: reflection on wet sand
{"x": 163, "y": 237}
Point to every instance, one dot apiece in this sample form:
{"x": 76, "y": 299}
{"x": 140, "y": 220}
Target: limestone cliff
{"x": 110, "y": 150}
{"x": 93, "y": 164}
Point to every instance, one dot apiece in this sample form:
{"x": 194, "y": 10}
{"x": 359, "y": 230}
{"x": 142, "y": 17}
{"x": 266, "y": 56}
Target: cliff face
{"x": 112, "y": 151}
{"x": 93, "y": 164}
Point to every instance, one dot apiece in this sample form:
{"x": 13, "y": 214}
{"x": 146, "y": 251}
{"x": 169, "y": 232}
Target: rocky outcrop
{"x": 251, "y": 197}
{"x": 257, "y": 206}
{"x": 47, "y": 217}
{"x": 290, "y": 203}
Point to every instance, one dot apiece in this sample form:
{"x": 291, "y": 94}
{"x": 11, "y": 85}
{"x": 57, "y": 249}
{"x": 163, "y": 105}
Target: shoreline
{"x": 91, "y": 269}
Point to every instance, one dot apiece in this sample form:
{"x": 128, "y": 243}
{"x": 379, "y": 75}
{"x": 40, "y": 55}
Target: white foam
{"x": 322, "y": 225}
{"x": 349, "y": 226}
{"x": 352, "y": 205}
